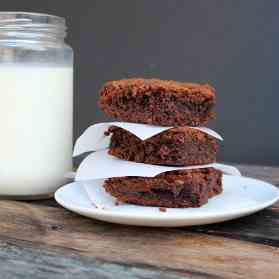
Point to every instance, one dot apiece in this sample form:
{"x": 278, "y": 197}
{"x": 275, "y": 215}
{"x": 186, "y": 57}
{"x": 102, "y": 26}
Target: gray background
{"x": 228, "y": 43}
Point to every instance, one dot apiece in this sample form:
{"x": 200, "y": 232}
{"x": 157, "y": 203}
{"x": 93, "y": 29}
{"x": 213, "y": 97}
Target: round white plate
{"x": 241, "y": 196}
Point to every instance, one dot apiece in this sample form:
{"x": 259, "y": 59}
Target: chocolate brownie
{"x": 158, "y": 102}
{"x": 183, "y": 188}
{"x": 182, "y": 146}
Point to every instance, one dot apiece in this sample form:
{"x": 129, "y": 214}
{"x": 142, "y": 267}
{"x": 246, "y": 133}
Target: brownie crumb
{"x": 162, "y": 209}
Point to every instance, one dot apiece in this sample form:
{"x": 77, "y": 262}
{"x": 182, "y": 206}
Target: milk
{"x": 36, "y": 110}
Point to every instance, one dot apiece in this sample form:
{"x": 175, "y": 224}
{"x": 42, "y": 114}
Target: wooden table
{"x": 43, "y": 240}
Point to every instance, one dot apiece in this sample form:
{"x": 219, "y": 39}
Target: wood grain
{"x": 176, "y": 250}
{"x": 262, "y": 227}
{"x": 19, "y": 259}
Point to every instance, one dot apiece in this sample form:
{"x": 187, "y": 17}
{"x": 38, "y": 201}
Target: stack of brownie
{"x": 164, "y": 103}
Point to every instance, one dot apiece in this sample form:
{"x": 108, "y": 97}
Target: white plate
{"x": 241, "y": 196}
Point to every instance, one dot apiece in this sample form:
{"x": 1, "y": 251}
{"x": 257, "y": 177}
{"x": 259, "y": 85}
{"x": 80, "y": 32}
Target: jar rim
{"x": 26, "y": 25}
{"x": 32, "y": 16}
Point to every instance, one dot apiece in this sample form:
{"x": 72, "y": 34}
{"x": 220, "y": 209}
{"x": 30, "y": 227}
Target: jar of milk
{"x": 36, "y": 105}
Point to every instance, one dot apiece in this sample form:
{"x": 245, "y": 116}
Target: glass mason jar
{"x": 36, "y": 105}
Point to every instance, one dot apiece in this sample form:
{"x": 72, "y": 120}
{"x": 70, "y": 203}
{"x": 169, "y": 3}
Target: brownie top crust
{"x": 153, "y": 85}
